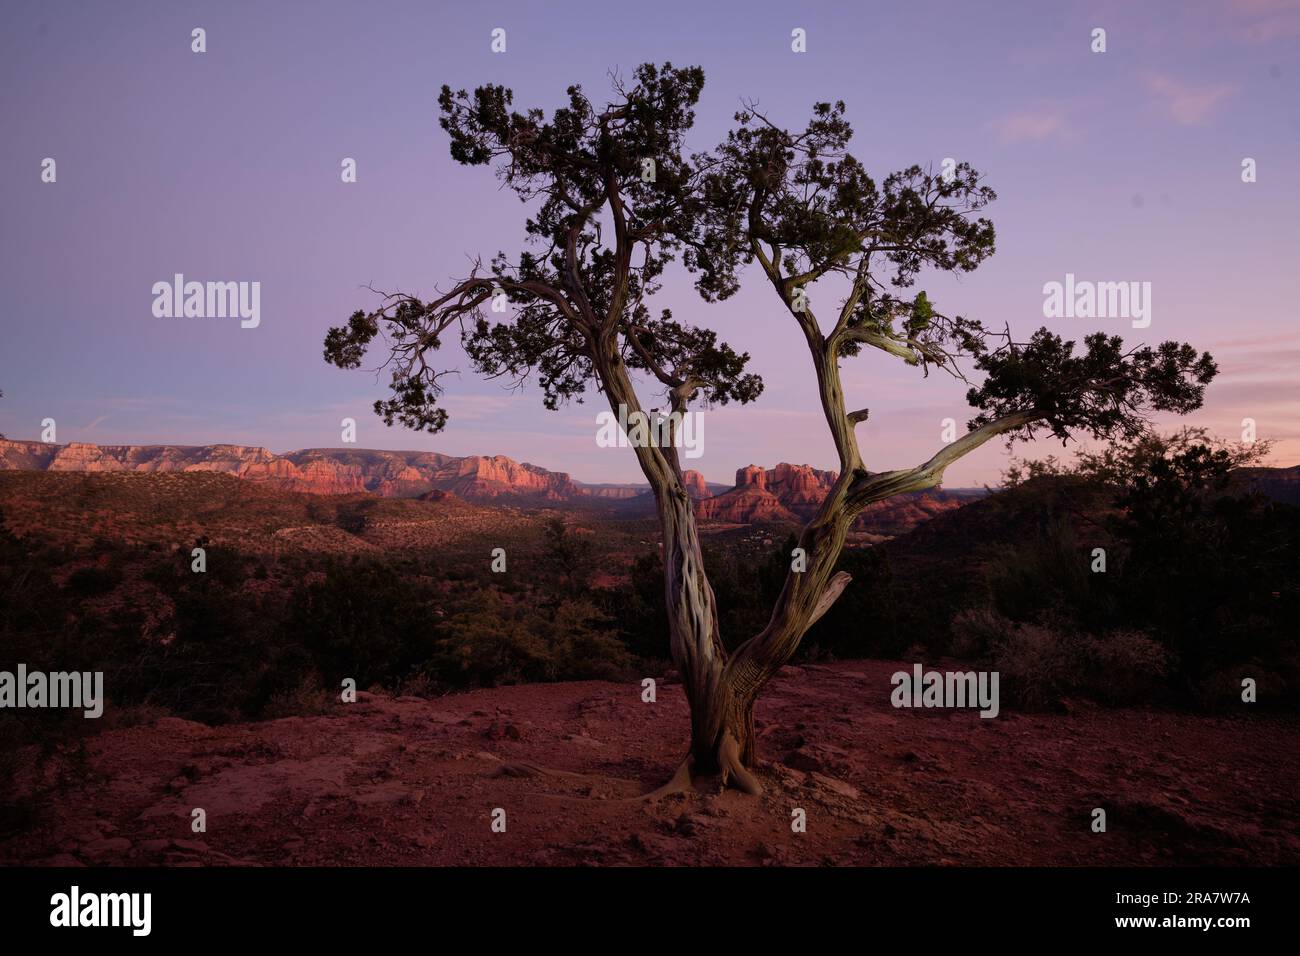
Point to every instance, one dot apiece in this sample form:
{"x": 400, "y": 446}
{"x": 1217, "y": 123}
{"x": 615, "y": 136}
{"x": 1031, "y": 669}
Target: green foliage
{"x": 1201, "y": 574}
{"x": 583, "y": 160}
{"x": 639, "y": 609}
{"x": 365, "y": 621}
{"x": 354, "y": 516}
{"x": 488, "y": 642}
{"x": 1050, "y": 569}
{"x": 1041, "y": 663}
{"x": 570, "y": 554}
{"x": 1102, "y": 392}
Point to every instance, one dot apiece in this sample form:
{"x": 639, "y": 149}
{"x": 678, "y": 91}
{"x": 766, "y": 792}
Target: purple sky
{"x": 1118, "y": 166}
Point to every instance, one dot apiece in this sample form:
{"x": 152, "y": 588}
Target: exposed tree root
{"x": 734, "y": 771}
{"x": 680, "y": 782}
{"x": 524, "y": 769}
{"x": 733, "y": 774}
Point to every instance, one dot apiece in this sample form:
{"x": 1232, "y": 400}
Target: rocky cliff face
{"x": 784, "y": 493}
{"x": 749, "y": 501}
{"x": 315, "y": 470}
{"x": 800, "y": 488}
{"x": 696, "y": 486}
{"x": 492, "y": 477}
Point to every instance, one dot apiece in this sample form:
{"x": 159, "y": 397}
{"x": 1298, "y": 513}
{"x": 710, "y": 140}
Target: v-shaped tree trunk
{"x": 722, "y": 689}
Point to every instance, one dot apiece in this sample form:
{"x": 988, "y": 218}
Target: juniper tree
{"x": 616, "y": 199}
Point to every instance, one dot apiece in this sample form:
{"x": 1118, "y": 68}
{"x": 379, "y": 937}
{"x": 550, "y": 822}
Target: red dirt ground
{"x": 414, "y": 782}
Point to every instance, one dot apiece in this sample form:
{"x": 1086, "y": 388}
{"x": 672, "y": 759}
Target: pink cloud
{"x": 1186, "y": 104}
{"x": 1032, "y": 126}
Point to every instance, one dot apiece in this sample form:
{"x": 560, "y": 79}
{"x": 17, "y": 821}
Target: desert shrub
{"x": 1049, "y": 573}
{"x": 975, "y": 631}
{"x": 364, "y": 621}
{"x": 638, "y": 610}
{"x": 1202, "y": 566}
{"x": 582, "y": 645}
{"x": 484, "y": 645}
{"x": 40, "y": 753}
{"x": 487, "y": 642}
{"x": 354, "y": 516}
{"x": 39, "y": 749}
{"x": 306, "y": 698}
{"x": 1038, "y": 665}
{"x": 570, "y": 554}
{"x": 1125, "y": 667}
{"x": 878, "y": 615}
{"x": 1041, "y": 663}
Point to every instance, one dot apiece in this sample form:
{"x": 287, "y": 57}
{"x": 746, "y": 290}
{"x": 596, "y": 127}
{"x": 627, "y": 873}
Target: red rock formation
{"x": 800, "y": 488}
{"x": 314, "y": 470}
{"x": 746, "y": 503}
{"x": 696, "y": 486}
{"x": 787, "y": 493}
{"x": 26, "y": 455}
{"x": 490, "y": 477}
{"x": 792, "y": 493}
{"x": 745, "y": 506}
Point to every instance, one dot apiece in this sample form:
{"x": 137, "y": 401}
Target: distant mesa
{"x": 324, "y": 471}
{"x": 1280, "y": 484}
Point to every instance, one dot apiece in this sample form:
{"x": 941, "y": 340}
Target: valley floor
{"x": 415, "y": 782}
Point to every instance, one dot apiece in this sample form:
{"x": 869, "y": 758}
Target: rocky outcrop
{"x": 800, "y": 488}
{"x": 748, "y": 502}
{"x": 745, "y": 506}
{"x": 785, "y": 493}
{"x": 792, "y": 493}
{"x": 26, "y": 455}
{"x": 696, "y": 486}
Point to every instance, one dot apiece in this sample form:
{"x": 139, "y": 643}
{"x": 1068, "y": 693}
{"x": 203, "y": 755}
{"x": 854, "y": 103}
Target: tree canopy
{"x": 615, "y": 198}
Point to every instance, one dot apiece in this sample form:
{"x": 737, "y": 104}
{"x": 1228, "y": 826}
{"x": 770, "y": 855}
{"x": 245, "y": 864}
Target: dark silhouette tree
{"x": 568, "y": 552}
{"x": 617, "y": 199}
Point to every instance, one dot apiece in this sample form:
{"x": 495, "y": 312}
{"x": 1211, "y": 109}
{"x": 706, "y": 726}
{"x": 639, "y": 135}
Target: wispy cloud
{"x": 1185, "y": 103}
{"x": 1033, "y": 126}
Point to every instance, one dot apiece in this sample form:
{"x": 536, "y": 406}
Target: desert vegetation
{"x": 1201, "y": 588}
